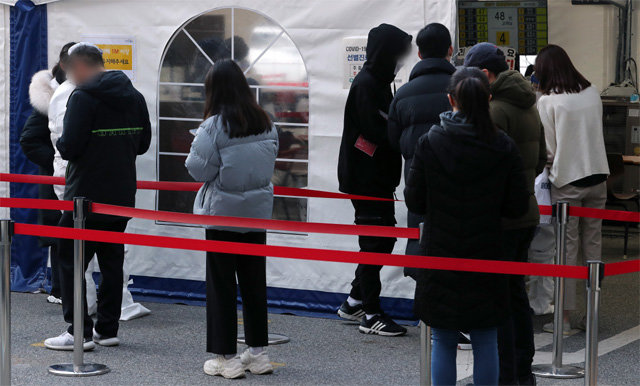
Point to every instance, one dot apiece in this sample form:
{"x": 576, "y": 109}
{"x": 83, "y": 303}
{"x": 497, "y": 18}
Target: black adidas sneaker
{"x": 381, "y": 325}
{"x": 353, "y": 313}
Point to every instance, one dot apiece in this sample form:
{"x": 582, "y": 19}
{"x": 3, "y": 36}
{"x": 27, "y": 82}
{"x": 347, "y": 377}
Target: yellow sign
{"x": 502, "y": 38}
{"x": 117, "y": 56}
{"x": 118, "y": 52}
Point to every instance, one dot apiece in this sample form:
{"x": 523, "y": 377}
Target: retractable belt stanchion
{"x": 596, "y": 274}
{"x": 6, "y": 232}
{"x": 81, "y": 208}
{"x": 556, "y": 369}
{"x": 425, "y": 354}
{"x": 425, "y": 343}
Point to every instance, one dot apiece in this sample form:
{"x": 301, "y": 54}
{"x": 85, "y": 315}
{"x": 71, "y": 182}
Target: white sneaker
{"x": 258, "y": 364}
{"x": 566, "y": 328}
{"x": 64, "y": 342}
{"x": 228, "y": 368}
{"x": 105, "y": 341}
{"x": 54, "y": 300}
{"x": 547, "y": 311}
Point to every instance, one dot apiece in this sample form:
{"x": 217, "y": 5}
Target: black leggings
{"x": 222, "y": 293}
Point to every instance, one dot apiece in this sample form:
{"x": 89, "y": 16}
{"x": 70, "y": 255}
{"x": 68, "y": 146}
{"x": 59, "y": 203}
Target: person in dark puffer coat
{"x": 36, "y": 145}
{"x": 464, "y": 178}
{"x": 417, "y": 105}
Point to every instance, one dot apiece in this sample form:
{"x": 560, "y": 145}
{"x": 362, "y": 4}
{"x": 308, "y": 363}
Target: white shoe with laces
{"x": 258, "y": 364}
{"x": 64, "y": 342}
{"x": 228, "y": 368}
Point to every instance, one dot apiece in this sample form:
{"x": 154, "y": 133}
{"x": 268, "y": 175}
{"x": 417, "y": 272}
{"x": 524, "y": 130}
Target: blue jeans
{"x": 485, "y": 356}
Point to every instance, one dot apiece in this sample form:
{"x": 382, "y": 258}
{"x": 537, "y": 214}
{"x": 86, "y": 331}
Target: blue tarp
{"x": 28, "y": 54}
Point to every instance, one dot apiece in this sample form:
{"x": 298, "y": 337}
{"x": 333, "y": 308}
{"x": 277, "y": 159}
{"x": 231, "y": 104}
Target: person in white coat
{"x": 57, "y": 109}
{"x": 571, "y": 112}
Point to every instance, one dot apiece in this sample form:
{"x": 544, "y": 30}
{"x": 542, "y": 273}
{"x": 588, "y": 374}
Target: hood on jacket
{"x": 466, "y": 152}
{"x": 432, "y": 66}
{"x": 113, "y": 88}
{"x": 385, "y": 45}
{"x": 513, "y": 88}
{"x": 41, "y": 90}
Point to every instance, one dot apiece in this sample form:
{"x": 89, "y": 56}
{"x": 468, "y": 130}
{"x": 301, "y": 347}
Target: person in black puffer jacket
{"x": 368, "y": 165}
{"x": 35, "y": 142}
{"x": 464, "y": 178}
{"x": 418, "y": 104}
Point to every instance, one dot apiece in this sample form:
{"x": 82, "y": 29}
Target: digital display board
{"x": 518, "y": 24}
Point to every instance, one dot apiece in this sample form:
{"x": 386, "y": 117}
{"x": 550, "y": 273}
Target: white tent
{"x": 311, "y": 55}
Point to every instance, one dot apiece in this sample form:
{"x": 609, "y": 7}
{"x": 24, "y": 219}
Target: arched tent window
{"x": 276, "y": 73}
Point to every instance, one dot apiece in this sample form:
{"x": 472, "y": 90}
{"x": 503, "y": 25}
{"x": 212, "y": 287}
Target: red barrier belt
{"x": 192, "y": 187}
{"x": 440, "y": 263}
{"x": 35, "y": 203}
{"x": 604, "y": 214}
{"x": 243, "y": 222}
{"x": 622, "y": 267}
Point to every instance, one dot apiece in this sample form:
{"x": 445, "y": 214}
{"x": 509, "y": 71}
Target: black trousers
{"x": 110, "y": 259}
{"x": 222, "y": 294}
{"x": 55, "y": 271}
{"x": 366, "y": 286}
{"x": 515, "y": 337}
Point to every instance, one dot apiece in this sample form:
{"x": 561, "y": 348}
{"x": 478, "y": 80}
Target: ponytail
{"x": 469, "y": 87}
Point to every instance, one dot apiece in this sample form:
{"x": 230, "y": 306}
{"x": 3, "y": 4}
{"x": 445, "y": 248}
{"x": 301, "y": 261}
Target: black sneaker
{"x": 353, "y": 313}
{"x": 464, "y": 341}
{"x": 381, "y": 325}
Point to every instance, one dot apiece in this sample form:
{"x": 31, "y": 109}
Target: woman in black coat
{"x": 465, "y": 176}
{"x": 35, "y": 142}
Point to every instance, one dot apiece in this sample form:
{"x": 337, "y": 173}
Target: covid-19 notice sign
{"x": 118, "y": 53}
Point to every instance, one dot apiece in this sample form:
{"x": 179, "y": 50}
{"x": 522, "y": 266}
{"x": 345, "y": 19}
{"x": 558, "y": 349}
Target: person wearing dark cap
{"x": 513, "y": 110}
{"x": 106, "y": 126}
{"x": 368, "y": 165}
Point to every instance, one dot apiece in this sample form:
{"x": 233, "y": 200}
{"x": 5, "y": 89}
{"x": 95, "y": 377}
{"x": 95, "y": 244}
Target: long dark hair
{"x": 469, "y": 88}
{"x": 228, "y": 95}
{"x": 57, "y": 70}
{"x": 556, "y": 72}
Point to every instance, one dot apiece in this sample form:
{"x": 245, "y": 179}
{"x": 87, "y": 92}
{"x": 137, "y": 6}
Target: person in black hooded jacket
{"x": 106, "y": 126}
{"x": 368, "y": 165}
{"x": 418, "y": 104}
{"x": 465, "y": 177}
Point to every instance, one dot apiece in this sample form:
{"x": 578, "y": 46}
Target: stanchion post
{"x": 81, "y": 209}
{"x": 425, "y": 354}
{"x": 556, "y": 368}
{"x": 596, "y": 274}
{"x": 6, "y": 233}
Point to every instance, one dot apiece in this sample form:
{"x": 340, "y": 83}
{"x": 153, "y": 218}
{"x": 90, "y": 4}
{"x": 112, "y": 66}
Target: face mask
{"x": 399, "y": 66}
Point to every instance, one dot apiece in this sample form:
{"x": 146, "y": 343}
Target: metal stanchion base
{"x": 564, "y": 372}
{"x": 273, "y": 339}
{"x": 86, "y": 370}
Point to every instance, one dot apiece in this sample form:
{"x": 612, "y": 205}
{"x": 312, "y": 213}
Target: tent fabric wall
{"x": 317, "y": 27}
{"x": 28, "y": 54}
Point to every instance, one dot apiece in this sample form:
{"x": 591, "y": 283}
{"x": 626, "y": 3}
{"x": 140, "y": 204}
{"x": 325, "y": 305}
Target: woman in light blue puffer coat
{"x": 234, "y": 154}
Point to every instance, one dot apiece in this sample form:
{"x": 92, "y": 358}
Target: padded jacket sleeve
{"x": 394, "y": 126}
{"x": 203, "y": 162}
{"x": 35, "y": 141}
{"x": 516, "y": 194}
{"x": 145, "y": 139}
{"x": 415, "y": 191}
{"x": 77, "y": 123}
